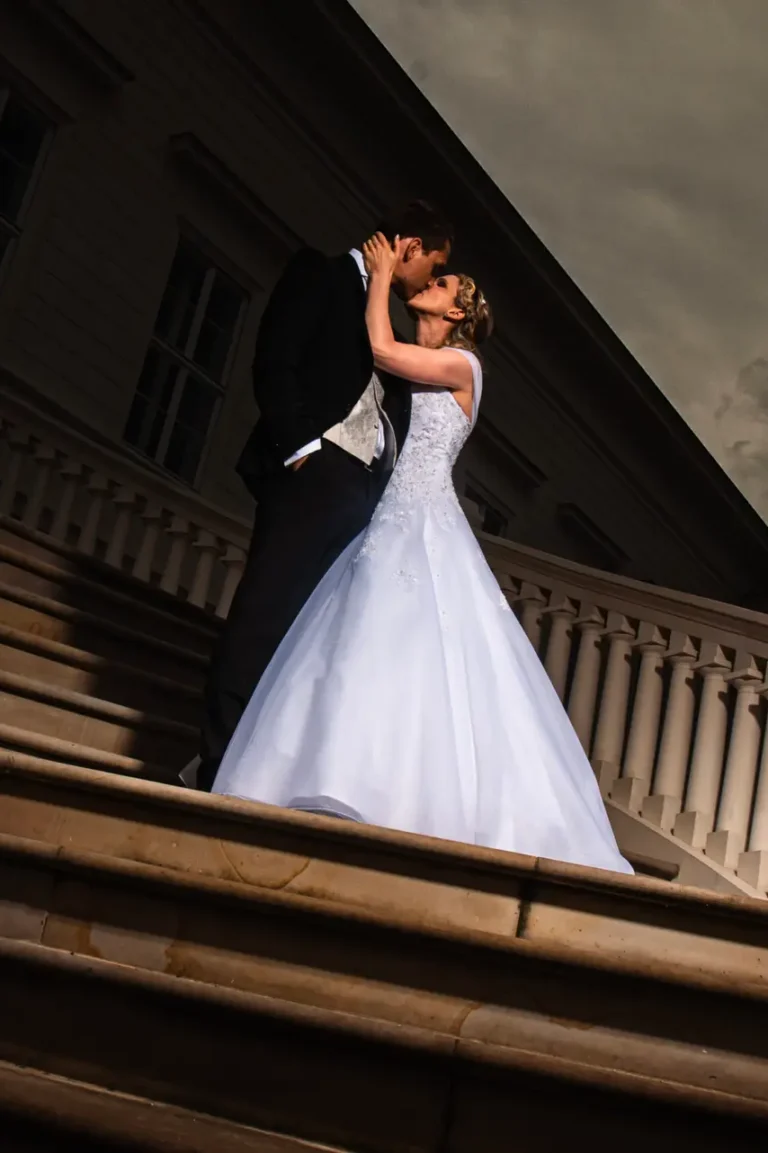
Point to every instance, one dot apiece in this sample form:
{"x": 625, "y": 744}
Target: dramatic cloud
{"x": 629, "y": 133}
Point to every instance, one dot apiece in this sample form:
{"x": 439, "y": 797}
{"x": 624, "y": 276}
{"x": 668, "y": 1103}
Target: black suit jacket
{"x": 313, "y": 362}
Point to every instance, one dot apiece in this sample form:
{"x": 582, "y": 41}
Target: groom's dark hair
{"x": 422, "y": 220}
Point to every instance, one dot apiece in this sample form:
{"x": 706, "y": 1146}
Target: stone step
{"x": 40, "y": 1113}
{"x": 343, "y": 1027}
{"x": 415, "y": 882}
{"x": 47, "y": 709}
{"x": 22, "y": 751}
{"x": 92, "y": 584}
{"x": 111, "y": 639}
{"x": 68, "y": 667}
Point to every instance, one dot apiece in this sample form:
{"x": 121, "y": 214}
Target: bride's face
{"x": 438, "y": 298}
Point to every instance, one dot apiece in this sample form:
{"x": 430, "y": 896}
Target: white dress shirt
{"x": 315, "y": 445}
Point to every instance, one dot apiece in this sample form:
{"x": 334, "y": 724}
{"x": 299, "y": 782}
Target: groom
{"x": 320, "y": 456}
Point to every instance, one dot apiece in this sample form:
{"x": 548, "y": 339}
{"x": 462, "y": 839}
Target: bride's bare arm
{"x": 439, "y": 367}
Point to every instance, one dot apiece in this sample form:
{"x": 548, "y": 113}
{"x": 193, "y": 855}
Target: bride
{"x": 406, "y": 693}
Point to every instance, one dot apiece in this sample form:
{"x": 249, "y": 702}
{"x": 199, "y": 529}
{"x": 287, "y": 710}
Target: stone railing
{"x": 115, "y": 506}
{"x": 668, "y": 692}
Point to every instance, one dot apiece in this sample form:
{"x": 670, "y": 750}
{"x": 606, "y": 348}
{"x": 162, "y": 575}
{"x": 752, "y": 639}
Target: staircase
{"x": 201, "y": 973}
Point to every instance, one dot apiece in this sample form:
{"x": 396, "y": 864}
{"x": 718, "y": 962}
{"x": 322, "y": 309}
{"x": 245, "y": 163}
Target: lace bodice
{"x": 438, "y": 432}
{"x": 422, "y": 480}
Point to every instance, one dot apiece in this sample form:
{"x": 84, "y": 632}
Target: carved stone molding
{"x": 581, "y": 527}
{"x": 522, "y": 471}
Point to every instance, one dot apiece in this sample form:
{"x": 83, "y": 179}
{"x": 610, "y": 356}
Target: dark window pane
{"x": 193, "y": 421}
{"x": 494, "y": 522}
{"x": 218, "y": 328}
{"x": 149, "y": 411}
{"x": 182, "y": 293}
{"x": 22, "y": 132}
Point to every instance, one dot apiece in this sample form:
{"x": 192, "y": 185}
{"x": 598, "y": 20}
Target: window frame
{"x": 13, "y": 229}
{"x": 490, "y": 502}
{"x": 182, "y": 358}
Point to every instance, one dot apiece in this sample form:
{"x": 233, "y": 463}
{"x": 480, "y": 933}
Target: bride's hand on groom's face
{"x": 381, "y": 258}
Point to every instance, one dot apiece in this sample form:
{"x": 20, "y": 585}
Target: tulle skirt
{"x": 407, "y": 695}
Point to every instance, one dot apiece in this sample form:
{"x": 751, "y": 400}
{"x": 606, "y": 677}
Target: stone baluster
{"x": 612, "y": 710}
{"x": 637, "y": 770}
{"x": 562, "y": 613}
{"x": 531, "y": 600}
{"x": 45, "y": 459}
{"x": 586, "y": 675}
{"x": 178, "y": 531}
{"x": 18, "y": 441}
{"x": 234, "y": 563}
{"x": 124, "y": 500}
{"x": 726, "y": 844}
{"x": 207, "y": 547}
{"x": 98, "y": 488}
{"x": 152, "y": 520}
{"x": 753, "y": 864}
{"x": 70, "y": 472}
{"x": 698, "y": 817}
{"x": 666, "y": 799}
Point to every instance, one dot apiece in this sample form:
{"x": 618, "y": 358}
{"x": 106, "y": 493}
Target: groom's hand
{"x": 297, "y": 464}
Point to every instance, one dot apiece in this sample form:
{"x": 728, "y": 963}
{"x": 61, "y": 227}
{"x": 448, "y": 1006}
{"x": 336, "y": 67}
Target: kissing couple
{"x": 371, "y": 668}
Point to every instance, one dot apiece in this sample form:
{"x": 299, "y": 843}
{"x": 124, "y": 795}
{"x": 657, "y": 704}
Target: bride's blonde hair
{"x": 477, "y": 323}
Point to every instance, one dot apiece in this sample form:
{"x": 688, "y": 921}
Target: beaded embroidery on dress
{"x": 406, "y": 693}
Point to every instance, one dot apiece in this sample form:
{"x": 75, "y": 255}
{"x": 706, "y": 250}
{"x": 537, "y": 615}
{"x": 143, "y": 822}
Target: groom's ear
{"x": 411, "y": 247}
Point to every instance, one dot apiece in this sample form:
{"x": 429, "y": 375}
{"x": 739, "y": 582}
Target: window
{"x": 185, "y": 369}
{"x": 493, "y": 521}
{"x": 23, "y": 134}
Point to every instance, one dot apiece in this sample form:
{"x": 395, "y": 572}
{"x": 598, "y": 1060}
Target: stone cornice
{"x": 102, "y": 66}
{"x": 527, "y": 475}
{"x": 205, "y": 167}
{"x": 577, "y": 523}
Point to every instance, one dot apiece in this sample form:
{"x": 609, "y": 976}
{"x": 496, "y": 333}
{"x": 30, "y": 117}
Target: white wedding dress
{"x": 406, "y": 693}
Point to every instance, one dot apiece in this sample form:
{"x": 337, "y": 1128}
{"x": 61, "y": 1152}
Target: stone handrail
{"x": 715, "y": 620}
{"x": 666, "y": 691}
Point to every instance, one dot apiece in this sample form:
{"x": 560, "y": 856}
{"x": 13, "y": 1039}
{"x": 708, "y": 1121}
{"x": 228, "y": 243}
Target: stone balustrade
{"x": 113, "y": 505}
{"x": 666, "y": 691}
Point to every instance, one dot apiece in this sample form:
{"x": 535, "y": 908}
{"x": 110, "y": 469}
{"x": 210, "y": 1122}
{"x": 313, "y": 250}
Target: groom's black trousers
{"x": 304, "y": 521}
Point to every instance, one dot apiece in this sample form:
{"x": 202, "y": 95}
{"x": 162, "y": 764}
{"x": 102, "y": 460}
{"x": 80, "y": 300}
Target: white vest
{"x": 359, "y": 433}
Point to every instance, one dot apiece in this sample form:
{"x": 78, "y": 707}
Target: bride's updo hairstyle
{"x": 477, "y": 324}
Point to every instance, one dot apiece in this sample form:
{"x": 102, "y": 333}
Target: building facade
{"x": 162, "y": 159}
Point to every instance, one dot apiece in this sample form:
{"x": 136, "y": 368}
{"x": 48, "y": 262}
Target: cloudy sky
{"x": 631, "y": 135}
